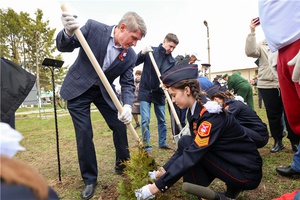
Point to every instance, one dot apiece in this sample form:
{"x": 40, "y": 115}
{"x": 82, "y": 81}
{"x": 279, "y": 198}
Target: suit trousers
{"x": 79, "y": 109}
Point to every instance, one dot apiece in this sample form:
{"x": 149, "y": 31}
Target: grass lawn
{"x": 38, "y": 129}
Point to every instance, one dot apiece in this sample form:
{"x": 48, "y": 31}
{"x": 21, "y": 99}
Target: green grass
{"x": 41, "y": 153}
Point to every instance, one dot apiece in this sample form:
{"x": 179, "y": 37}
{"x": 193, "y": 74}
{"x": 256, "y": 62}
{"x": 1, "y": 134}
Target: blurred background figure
{"x": 219, "y": 82}
{"x": 190, "y": 58}
{"x": 205, "y": 83}
{"x": 241, "y": 87}
{"x": 136, "y": 103}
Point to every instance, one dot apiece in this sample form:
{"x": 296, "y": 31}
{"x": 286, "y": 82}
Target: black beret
{"x": 212, "y": 90}
{"x": 179, "y": 73}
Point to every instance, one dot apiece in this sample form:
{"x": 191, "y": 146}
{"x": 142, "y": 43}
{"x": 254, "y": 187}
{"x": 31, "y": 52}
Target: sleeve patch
{"x": 204, "y": 129}
{"x": 201, "y": 142}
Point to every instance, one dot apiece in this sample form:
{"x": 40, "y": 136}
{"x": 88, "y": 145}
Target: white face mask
{"x": 10, "y": 141}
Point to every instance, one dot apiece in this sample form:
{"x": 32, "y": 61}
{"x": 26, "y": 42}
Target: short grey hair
{"x": 133, "y": 22}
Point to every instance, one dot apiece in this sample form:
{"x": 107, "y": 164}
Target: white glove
{"x": 152, "y": 175}
{"x": 70, "y": 23}
{"x": 126, "y": 115}
{"x": 146, "y": 50}
{"x": 296, "y": 63}
{"x": 184, "y": 131}
{"x": 144, "y": 193}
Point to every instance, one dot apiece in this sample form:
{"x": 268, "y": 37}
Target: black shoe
{"x": 88, "y": 191}
{"x": 288, "y": 172}
{"x": 119, "y": 170}
{"x": 137, "y": 125}
{"x": 232, "y": 193}
{"x": 167, "y": 147}
{"x": 294, "y": 146}
{"x": 278, "y": 146}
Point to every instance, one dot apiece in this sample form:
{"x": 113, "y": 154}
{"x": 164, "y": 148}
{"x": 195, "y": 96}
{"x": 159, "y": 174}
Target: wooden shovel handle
{"x": 165, "y": 91}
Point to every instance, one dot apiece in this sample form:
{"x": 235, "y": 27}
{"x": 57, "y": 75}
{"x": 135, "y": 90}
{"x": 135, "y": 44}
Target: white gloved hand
{"x": 146, "y": 50}
{"x": 152, "y": 175}
{"x": 126, "y": 115}
{"x": 296, "y": 63}
{"x": 70, "y": 23}
{"x": 144, "y": 193}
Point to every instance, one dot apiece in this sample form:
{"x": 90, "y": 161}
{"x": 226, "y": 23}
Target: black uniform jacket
{"x": 217, "y": 133}
{"x": 246, "y": 116}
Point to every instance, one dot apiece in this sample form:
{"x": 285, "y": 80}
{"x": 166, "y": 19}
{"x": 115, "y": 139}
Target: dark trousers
{"x": 275, "y": 109}
{"x": 79, "y": 109}
{"x": 213, "y": 166}
{"x": 259, "y": 99}
{"x": 294, "y": 138}
{"x": 259, "y": 138}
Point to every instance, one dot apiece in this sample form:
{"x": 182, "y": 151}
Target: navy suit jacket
{"x": 82, "y": 75}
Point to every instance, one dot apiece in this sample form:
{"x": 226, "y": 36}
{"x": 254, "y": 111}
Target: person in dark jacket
{"x": 150, "y": 89}
{"x": 187, "y": 59}
{"x": 217, "y": 81}
{"x": 253, "y": 125}
{"x": 217, "y": 146}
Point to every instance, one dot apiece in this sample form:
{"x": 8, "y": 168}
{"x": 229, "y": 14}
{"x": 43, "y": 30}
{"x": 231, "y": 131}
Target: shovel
{"x": 165, "y": 91}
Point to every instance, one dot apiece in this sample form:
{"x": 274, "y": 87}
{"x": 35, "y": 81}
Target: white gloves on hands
{"x": 146, "y": 50}
{"x": 126, "y": 115}
{"x": 70, "y": 23}
{"x": 144, "y": 193}
{"x": 296, "y": 63}
{"x": 152, "y": 175}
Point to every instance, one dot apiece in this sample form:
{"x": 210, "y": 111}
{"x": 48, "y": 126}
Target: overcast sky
{"x": 228, "y": 23}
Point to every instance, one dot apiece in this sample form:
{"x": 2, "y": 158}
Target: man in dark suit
{"x": 82, "y": 86}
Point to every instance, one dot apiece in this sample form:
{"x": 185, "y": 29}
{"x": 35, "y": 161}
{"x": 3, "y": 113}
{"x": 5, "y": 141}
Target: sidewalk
{"x": 49, "y": 112}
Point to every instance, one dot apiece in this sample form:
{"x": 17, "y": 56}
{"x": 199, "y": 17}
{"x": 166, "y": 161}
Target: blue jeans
{"x": 145, "y": 109}
{"x": 296, "y": 164}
